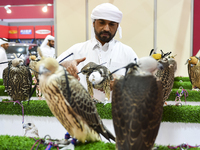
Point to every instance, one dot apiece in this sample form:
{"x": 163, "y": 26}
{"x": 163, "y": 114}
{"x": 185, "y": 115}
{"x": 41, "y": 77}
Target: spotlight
{"x": 7, "y": 9}
{"x": 49, "y": 4}
{"x": 44, "y": 9}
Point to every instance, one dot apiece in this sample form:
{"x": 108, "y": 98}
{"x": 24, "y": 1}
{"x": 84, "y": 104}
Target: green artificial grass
{"x": 2, "y": 89}
{"x": 185, "y": 85}
{"x": 1, "y": 81}
{"x": 35, "y": 108}
{"x": 171, "y": 113}
{"x": 25, "y": 143}
{"x": 187, "y": 79}
{"x": 193, "y": 96}
{"x": 185, "y": 113}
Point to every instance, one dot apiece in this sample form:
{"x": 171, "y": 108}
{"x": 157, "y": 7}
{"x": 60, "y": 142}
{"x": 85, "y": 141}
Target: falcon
{"x": 166, "y": 74}
{"x": 137, "y": 106}
{"x": 70, "y": 103}
{"x": 32, "y": 65}
{"x": 98, "y": 77}
{"x": 17, "y": 80}
{"x": 30, "y": 128}
{"x": 194, "y": 72}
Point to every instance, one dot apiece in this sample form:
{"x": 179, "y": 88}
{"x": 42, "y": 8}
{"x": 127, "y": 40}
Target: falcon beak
{"x": 24, "y": 126}
{"x": 93, "y": 83}
{"x": 43, "y": 70}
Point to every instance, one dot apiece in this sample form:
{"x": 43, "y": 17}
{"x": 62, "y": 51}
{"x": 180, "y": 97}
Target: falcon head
{"x": 89, "y": 68}
{"x": 193, "y": 60}
{"x": 28, "y": 126}
{"x": 47, "y": 66}
{"x": 95, "y": 78}
{"x": 17, "y": 62}
{"x": 149, "y": 65}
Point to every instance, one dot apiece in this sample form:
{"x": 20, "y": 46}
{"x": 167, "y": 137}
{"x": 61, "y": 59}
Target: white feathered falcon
{"x": 137, "y": 106}
{"x": 70, "y": 103}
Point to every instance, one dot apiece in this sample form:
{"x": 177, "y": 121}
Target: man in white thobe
{"x": 102, "y": 47}
{"x": 3, "y": 57}
{"x": 47, "y": 47}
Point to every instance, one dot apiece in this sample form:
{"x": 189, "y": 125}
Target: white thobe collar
{"x": 105, "y": 47}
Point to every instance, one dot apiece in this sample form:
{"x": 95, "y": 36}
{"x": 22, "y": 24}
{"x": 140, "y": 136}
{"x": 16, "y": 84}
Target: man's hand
{"x": 71, "y": 66}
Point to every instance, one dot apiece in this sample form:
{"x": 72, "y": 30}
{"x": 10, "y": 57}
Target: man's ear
{"x": 93, "y": 23}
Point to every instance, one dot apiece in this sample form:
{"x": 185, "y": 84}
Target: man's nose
{"x": 106, "y": 27}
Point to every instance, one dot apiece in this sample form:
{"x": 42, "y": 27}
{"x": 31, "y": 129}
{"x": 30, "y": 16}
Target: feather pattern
{"x": 17, "y": 81}
{"x": 78, "y": 114}
{"x": 166, "y": 75}
{"x": 137, "y": 110}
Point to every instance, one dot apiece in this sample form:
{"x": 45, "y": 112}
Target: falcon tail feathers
{"x": 107, "y": 134}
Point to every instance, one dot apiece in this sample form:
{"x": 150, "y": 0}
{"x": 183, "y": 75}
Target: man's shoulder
{"x": 123, "y": 46}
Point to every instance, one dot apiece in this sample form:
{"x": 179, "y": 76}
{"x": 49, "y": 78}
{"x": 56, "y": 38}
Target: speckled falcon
{"x": 194, "y": 72}
{"x": 17, "y": 80}
{"x": 98, "y": 77}
{"x": 70, "y": 103}
{"x": 137, "y": 107}
{"x": 32, "y": 65}
{"x": 166, "y": 74}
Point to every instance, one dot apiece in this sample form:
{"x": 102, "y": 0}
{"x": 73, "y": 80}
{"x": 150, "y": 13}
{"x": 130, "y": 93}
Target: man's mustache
{"x": 106, "y": 32}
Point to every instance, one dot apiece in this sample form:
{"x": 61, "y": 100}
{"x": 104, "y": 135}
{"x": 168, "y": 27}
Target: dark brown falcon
{"x": 17, "y": 80}
{"x": 70, "y": 103}
{"x": 194, "y": 71}
{"x": 137, "y": 108}
{"x": 98, "y": 77}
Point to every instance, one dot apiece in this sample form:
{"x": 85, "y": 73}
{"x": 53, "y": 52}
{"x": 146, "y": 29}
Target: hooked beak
{"x": 43, "y": 70}
{"x": 187, "y": 61}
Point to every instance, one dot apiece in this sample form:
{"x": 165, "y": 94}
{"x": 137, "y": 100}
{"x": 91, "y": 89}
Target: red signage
{"x": 42, "y": 31}
{"x": 4, "y": 31}
{"x": 26, "y": 32}
{"x": 12, "y": 32}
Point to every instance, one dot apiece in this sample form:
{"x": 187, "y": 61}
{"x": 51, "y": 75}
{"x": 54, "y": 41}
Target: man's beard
{"x": 104, "y": 38}
{"x": 51, "y": 45}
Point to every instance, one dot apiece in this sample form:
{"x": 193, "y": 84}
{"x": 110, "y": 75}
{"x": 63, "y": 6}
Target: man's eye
{"x": 112, "y": 24}
{"x": 101, "y": 22}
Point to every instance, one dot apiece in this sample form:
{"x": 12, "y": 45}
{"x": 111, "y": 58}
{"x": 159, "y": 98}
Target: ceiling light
{"x": 44, "y": 9}
{"x": 49, "y": 4}
{"x": 7, "y": 9}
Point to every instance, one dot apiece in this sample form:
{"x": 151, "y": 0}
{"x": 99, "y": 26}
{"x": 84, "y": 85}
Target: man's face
{"x": 5, "y": 46}
{"x": 105, "y": 30}
{"x": 51, "y": 43}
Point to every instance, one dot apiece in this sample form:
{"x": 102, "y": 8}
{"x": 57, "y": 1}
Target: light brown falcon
{"x": 70, "y": 103}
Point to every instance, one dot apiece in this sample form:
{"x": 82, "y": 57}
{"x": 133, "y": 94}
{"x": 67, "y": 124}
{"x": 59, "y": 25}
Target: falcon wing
{"x": 83, "y": 105}
{"x": 166, "y": 76}
{"x": 137, "y": 108}
{"x": 17, "y": 82}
